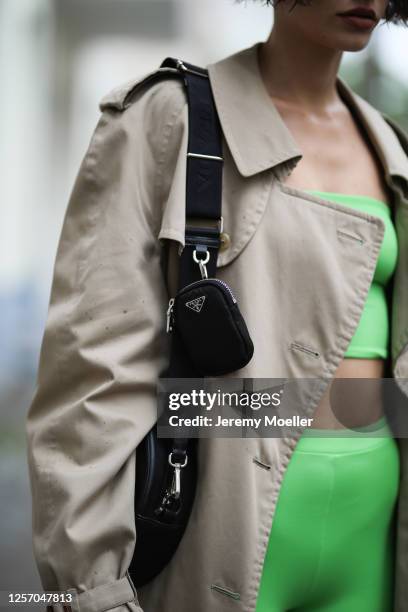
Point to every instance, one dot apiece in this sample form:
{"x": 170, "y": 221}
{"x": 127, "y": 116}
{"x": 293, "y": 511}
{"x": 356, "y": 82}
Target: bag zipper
{"x": 211, "y": 280}
{"x": 170, "y": 314}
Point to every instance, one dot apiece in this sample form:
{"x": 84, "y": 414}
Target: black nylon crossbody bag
{"x": 209, "y": 336}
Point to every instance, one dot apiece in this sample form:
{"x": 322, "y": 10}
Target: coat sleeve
{"x": 103, "y": 347}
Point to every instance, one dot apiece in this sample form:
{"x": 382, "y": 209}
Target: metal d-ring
{"x": 202, "y": 263}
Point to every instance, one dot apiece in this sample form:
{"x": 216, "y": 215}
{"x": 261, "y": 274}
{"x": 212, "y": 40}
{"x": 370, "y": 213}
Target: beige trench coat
{"x": 105, "y": 342}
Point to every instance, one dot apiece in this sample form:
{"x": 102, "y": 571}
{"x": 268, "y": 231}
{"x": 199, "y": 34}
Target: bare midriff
{"x": 343, "y": 399}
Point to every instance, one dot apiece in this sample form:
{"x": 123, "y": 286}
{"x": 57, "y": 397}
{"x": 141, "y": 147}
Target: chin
{"x": 354, "y": 49}
{"x": 355, "y": 46}
{"x": 350, "y": 43}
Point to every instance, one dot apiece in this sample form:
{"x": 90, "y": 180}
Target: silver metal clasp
{"x": 175, "y": 488}
{"x": 202, "y": 263}
{"x": 169, "y": 315}
{"x": 174, "y": 491}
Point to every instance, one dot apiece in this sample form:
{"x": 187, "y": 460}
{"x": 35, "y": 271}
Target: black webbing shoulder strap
{"x": 203, "y": 204}
{"x": 204, "y": 172}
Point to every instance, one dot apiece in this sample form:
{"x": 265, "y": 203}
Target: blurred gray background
{"x": 57, "y": 59}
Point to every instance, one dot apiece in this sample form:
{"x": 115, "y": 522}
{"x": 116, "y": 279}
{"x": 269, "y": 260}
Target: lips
{"x": 363, "y": 12}
{"x": 361, "y": 18}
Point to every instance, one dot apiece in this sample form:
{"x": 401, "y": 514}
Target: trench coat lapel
{"x": 256, "y": 135}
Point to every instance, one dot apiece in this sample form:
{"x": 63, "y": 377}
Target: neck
{"x": 299, "y": 72}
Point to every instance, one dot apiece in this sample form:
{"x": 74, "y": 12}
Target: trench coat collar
{"x": 257, "y": 135}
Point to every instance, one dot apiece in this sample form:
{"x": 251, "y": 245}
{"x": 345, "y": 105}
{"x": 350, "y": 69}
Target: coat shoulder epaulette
{"x": 121, "y": 97}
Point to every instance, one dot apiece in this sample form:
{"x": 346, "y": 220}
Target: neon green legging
{"x": 331, "y": 545}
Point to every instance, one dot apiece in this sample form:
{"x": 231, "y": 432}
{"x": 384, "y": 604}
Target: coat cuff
{"x": 102, "y": 598}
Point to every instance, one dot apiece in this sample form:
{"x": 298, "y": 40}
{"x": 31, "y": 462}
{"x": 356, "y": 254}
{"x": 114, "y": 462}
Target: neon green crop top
{"x": 370, "y": 340}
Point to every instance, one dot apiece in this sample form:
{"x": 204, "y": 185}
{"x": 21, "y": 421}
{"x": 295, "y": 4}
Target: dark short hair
{"x": 397, "y": 10}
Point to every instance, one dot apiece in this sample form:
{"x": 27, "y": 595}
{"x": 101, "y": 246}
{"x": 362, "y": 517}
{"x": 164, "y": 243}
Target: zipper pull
{"x": 169, "y": 313}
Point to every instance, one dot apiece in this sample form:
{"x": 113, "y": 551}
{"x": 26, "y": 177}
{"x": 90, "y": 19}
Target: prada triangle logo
{"x": 196, "y": 304}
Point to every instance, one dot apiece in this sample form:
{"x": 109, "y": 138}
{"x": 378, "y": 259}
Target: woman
{"x": 303, "y": 260}
{"x": 313, "y": 528}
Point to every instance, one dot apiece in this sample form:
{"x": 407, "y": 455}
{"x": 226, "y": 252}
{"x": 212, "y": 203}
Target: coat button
{"x": 225, "y": 241}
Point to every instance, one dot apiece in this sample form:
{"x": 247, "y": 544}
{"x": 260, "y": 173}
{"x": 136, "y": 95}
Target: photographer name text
{"x": 254, "y": 422}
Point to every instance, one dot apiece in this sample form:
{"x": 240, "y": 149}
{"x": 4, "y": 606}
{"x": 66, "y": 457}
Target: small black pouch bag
{"x": 206, "y": 316}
